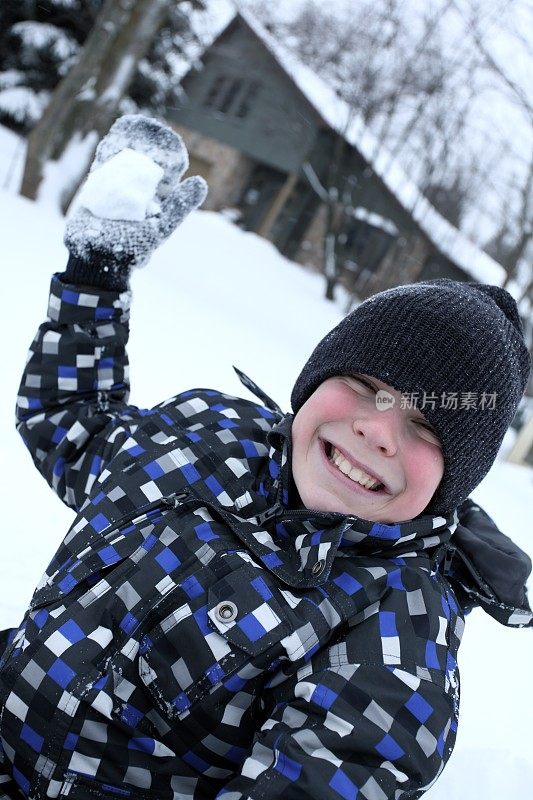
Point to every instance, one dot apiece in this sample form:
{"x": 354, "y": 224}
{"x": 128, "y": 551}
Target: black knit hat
{"x": 439, "y": 337}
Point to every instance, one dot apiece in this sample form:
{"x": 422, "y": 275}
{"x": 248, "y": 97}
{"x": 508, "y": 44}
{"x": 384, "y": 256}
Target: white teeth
{"x": 353, "y": 473}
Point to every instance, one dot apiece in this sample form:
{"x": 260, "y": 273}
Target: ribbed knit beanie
{"x": 456, "y": 349}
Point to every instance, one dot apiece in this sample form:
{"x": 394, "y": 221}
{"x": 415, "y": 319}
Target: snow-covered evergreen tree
{"x": 41, "y": 39}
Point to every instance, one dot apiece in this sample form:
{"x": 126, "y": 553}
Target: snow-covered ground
{"x": 214, "y": 296}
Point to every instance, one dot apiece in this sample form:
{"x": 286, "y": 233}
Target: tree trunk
{"x": 334, "y": 209}
{"x": 330, "y": 263}
{"x": 86, "y": 102}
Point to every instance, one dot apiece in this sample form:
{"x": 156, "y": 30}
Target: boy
{"x": 251, "y": 604}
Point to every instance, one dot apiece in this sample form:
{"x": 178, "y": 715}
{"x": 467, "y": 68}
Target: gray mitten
{"x": 103, "y": 247}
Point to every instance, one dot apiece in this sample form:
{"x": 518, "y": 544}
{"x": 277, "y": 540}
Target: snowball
{"x": 123, "y": 187}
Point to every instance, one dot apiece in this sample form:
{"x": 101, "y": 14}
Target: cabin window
{"x": 247, "y": 99}
{"x": 231, "y": 96}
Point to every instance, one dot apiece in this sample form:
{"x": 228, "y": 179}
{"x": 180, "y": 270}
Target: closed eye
{"x": 364, "y": 382}
{"x": 432, "y": 435}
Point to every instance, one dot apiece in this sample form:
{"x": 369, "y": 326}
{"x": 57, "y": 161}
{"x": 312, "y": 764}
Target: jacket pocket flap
{"x": 93, "y": 547}
{"x": 244, "y": 610}
{"x": 90, "y": 565}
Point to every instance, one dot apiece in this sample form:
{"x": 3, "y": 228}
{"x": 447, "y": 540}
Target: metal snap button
{"x": 226, "y": 611}
{"x": 318, "y": 567}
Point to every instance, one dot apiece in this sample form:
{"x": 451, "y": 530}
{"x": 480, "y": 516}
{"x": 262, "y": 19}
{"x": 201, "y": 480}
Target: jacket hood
{"x": 488, "y": 569}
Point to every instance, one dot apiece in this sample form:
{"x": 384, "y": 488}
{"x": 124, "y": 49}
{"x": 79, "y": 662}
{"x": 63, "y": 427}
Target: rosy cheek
{"x": 431, "y": 465}
{"x": 338, "y": 403}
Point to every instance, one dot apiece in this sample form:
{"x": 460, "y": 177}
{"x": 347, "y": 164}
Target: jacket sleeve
{"x": 72, "y": 410}
{"x": 353, "y": 731}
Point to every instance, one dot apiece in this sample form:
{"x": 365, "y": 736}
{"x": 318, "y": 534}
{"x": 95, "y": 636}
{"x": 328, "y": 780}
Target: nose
{"x": 378, "y": 430}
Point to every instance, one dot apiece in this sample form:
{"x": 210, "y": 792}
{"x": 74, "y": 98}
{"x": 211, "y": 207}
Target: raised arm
{"x": 72, "y": 410}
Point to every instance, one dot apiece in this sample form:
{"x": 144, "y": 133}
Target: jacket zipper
{"x": 171, "y": 501}
{"x": 278, "y": 509}
{"x": 448, "y": 559}
{"x": 478, "y": 578}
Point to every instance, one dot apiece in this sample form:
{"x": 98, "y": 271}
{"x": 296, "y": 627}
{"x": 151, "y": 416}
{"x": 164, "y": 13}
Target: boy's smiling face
{"x": 341, "y": 437}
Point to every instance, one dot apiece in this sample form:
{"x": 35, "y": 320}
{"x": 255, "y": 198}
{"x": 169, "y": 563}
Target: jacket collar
{"x": 484, "y": 566}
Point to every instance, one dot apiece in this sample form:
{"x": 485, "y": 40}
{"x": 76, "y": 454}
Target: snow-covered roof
{"x": 340, "y": 116}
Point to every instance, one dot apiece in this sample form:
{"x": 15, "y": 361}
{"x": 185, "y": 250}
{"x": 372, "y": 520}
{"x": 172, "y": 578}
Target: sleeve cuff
{"x": 95, "y": 272}
{"x": 71, "y": 303}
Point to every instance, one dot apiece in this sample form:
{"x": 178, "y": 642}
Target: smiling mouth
{"x": 359, "y": 476}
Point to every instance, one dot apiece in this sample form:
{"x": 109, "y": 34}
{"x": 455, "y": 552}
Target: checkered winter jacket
{"x": 195, "y": 637}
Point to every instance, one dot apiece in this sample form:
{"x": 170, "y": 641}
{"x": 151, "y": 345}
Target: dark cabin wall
{"x": 280, "y": 127}
{"x": 438, "y": 266}
{"x": 371, "y": 193}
